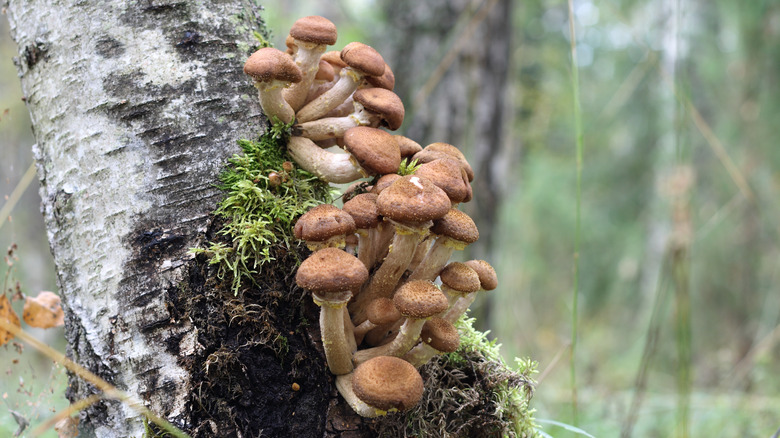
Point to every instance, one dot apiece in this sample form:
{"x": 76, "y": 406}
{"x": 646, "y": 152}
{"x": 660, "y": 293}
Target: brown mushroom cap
{"x": 411, "y": 198}
{"x": 460, "y": 277}
{"x": 442, "y": 150}
{"x": 384, "y": 103}
{"x": 325, "y": 72}
{"x": 363, "y": 210}
{"x": 382, "y": 311}
{"x": 333, "y": 58}
{"x": 420, "y": 299}
{"x": 448, "y": 175}
{"x": 314, "y": 29}
{"x": 375, "y": 150}
{"x": 440, "y": 334}
{"x": 384, "y": 182}
{"x": 386, "y": 383}
{"x": 323, "y": 222}
{"x": 363, "y": 58}
{"x": 456, "y": 225}
{"x": 269, "y": 64}
{"x": 408, "y": 146}
{"x": 331, "y": 270}
{"x": 386, "y": 81}
{"x": 487, "y": 275}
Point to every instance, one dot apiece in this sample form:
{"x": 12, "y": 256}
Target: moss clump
{"x": 266, "y": 194}
{"x": 471, "y": 392}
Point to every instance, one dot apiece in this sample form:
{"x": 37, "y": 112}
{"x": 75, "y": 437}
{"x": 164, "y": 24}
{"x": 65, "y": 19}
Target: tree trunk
{"x": 456, "y": 58}
{"x": 135, "y": 108}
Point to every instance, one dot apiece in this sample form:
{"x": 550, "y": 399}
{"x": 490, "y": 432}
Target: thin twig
{"x": 19, "y": 190}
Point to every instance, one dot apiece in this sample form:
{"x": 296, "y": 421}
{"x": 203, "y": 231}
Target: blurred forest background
{"x": 677, "y": 325}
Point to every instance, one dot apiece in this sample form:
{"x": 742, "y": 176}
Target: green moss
{"x": 259, "y": 213}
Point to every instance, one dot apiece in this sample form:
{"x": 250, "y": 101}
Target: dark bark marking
{"x": 108, "y": 47}
{"x": 35, "y": 53}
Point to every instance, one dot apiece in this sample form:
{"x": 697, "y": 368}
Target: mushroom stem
{"x": 436, "y": 258}
{"x": 459, "y": 307}
{"x": 408, "y": 335}
{"x": 334, "y": 339}
{"x": 308, "y": 59}
{"x": 272, "y": 102}
{"x": 349, "y": 79}
{"x": 365, "y": 247}
{"x": 335, "y": 127}
{"x": 326, "y": 165}
{"x": 420, "y": 354}
{"x": 344, "y": 385}
{"x": 385, "y": 278}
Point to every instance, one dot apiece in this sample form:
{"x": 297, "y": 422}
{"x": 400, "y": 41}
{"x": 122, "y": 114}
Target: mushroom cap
{"x": 420, "y": 299}
{"x": 331, "y": 270}
{"x": 487, "y": 275}
{"x": 442, "y": 150}
{"x": 408, "y": 146}
{"x": 411, "y": 198}
{"x": 363, "y": 210}
{"x": 269, "y": 64}
{"x": 382, "y": 311}
{"x": 456, "y": 225}
{"x": 333, "y": 57}
{"x": 322, "y": 222}
{"x": 384, "y": 182}
{"x": 386, "y": 80}
{"x": 448, "y": 175}
{"x": 314, "y": 29}
{"x": 460, "y": 277}
{"x": 440, "y": 334}
{"x": 363, "y": 58}
{"x": 386, "y": 382}
{"x": 383, "y": 102}
{"x": 375, "y": 150}
{"x": 325, "y": 72}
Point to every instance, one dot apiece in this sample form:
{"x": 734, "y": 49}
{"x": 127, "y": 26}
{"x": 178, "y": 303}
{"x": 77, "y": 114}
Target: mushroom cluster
{"x": 380, "y": 268}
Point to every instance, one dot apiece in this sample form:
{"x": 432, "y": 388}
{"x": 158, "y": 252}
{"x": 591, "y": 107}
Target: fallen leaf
{"x": 43, "y": 311}
{"x": 8, "y": 315}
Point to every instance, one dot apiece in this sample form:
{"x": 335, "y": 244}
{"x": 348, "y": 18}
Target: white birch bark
{"x": 135, "y": 106}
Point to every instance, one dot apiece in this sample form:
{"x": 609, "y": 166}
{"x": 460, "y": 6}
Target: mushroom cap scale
{"x": 460, "y": 277}
{"x": 363, "y": 58}
{"x": 375, "y": 150}
{"x": 314, "y": 29}
{"x": 419, "y": 299}
{"x": 388, "y": 383}
{"x": 412, "y": 198}
{"x": 331, "y": 270}
{"x": 456, "y": 225}
{"x": 322, "y": 222}
{"x": 487, "y": 275}
{"x": 269, "y": 64}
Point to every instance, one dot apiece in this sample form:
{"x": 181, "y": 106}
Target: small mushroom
{"x": 417, "y": 301}
{"x": 443, "y": 150}
{"x": 311, "y": 35}
{"x": 361, "y": 60}
{"x": 381, "y": 385}
{"x": 272, "y": 71}
{"x": 458, "y": 280}
{"x": 331, "y": 274}
{"x": 324, "y": 226}
{"x": 488, "y": 280}
{"x": 455, "y": 231}
{"x": 438, "y": 336}
{"x": 373, "y": 107}
{"x": 449, "y": 176}
{"x": 381, "y": 314}
{"x": 363, "y": 210}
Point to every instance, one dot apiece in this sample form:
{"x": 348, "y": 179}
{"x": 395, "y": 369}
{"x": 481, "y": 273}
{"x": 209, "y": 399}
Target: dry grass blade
{"x": 109, "y": 391}
{"x": 67, "y": 412}
{"x": 9, "y": 205}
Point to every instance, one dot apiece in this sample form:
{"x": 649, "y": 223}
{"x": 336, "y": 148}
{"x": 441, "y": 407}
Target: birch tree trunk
{"x": 135, "y": 106}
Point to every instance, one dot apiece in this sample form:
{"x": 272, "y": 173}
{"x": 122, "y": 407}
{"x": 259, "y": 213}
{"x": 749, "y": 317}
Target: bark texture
{"x": 135, "y": 106}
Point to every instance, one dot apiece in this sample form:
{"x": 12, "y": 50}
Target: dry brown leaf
{"x": 7, "y": 313}
{"x": 68, "y": 427}
{"x": 43, "y": 311}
